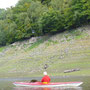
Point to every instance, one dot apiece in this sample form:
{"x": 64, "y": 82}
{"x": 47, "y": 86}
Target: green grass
{"x": 34, "y": 45}
{"x": 1, "y": 49}
{"x": 51, "y": 42}
{"x": 78, "y": 34}
{"x": 37, "y": 43}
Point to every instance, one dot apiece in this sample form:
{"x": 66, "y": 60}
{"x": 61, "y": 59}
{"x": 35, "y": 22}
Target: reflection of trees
{"x": 46, "y": 88}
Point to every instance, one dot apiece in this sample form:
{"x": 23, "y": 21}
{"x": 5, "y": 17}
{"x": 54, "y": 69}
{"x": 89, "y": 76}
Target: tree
{"x": 20, "y": 25}
{"x": 2, "y": 14}
{"x": 21, "y": 6}
{"x": 57, "y": 5}
{"x": 52, "y": 21}
{"x": 77, "y": 13}
{"x": 35, "y": 11}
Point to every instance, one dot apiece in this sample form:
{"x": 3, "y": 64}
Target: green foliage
{"x": 35, "y": 11}
{"x": 45, "y": 2}
{"x": 2, "y": 38}
{"x": 23, "y": 25}
{"x": 2, "y": 33}
{"x": 57, "y": 5}
{"x": 77, "y": 13}
{"x": 22, "y": 6}
{"x": 38, "y": 17}
{"x": 52, "y": 21}
{"x": 2, "y": 14}
{"x": 7, "y": 33}
{"x": 1, "y": 49}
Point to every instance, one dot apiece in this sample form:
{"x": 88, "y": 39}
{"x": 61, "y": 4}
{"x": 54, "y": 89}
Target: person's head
{"x": 44, "y": 73}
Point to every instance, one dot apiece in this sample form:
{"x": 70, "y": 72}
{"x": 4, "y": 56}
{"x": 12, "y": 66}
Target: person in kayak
{"x": 46, "y": 79}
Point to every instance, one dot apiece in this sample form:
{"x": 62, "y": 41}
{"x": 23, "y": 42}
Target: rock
{"x": 45, "y": 66}
{"x": 71, "y": 70}
{"x": 1, "y": 54}
{"x": 32, "y": 40}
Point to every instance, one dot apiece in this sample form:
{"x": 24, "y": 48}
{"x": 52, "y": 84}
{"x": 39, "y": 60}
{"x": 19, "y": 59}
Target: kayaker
{"x": 46, "y": 79}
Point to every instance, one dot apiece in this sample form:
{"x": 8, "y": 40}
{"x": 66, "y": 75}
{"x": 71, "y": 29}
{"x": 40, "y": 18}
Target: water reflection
{"x": 55, "y": 88}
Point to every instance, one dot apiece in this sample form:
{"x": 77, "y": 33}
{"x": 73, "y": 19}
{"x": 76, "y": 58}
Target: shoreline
{"x": 13, "y": 75}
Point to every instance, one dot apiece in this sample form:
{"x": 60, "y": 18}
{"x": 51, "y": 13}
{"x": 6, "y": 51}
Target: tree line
{"x": 39, "y": 17}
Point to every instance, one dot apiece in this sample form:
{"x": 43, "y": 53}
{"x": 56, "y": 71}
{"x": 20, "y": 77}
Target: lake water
{"x": 6, "y": 83}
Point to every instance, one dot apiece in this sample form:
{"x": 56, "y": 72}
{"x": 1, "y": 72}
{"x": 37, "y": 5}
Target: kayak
{"x": 52, "y": 84}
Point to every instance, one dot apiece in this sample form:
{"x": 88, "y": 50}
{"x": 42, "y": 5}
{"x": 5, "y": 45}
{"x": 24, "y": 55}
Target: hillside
{"x": 63, "y": 51}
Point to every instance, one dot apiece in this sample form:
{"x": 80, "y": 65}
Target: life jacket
{"x": 46, "y": 79}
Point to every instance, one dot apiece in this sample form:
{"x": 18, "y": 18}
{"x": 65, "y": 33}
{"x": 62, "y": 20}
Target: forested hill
{"x": 39, "y": 17}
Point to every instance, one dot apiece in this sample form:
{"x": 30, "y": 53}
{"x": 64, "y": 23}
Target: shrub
{"x": 52, "y": 21}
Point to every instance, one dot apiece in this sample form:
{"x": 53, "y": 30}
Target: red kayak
{"x": 52, "y": 84}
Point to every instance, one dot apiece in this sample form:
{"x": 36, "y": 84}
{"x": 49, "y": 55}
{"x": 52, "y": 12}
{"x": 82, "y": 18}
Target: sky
{"x": 7, "y": 3}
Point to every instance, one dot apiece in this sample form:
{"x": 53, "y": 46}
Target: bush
{"x": 77, "y": 13}
{"x": 52, "y": 21}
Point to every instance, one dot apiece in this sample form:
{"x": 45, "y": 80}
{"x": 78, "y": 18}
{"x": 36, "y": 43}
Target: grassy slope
{"x": 61, "y": 52}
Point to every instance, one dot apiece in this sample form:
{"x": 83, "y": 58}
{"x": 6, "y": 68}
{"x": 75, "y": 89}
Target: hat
{"x": 45, "y": 73}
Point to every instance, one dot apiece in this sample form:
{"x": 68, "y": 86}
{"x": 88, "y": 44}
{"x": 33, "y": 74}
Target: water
{"x": 6, "y": 83}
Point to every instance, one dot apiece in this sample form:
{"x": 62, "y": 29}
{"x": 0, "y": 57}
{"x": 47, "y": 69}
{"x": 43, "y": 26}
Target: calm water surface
{"x": 6, "y": 83}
